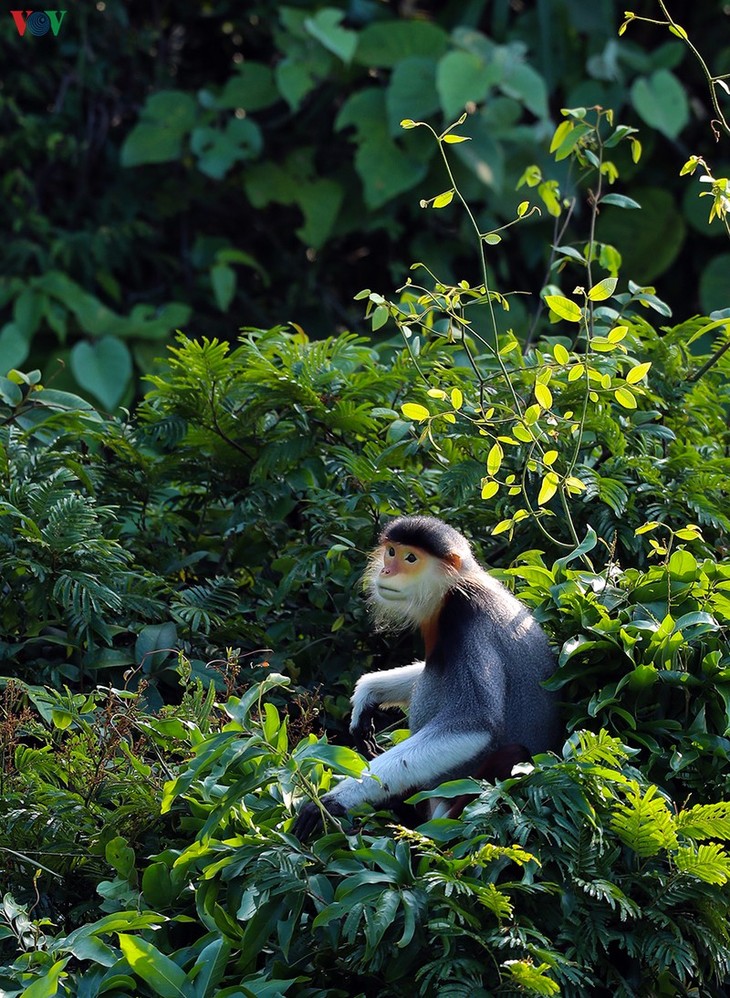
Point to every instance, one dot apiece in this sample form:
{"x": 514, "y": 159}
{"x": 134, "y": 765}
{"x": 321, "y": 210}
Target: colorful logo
{"x": 38, "y": 22}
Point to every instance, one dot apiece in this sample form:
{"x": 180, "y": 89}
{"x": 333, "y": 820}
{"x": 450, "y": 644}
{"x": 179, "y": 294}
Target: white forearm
{"x": 391, "y": 688}
{"x": 419, "y": 762}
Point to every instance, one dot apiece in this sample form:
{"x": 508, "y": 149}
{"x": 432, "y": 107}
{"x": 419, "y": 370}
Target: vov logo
{"x": 38, "y": 22}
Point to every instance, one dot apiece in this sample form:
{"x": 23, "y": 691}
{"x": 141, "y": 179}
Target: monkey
{"x": 477, "y": 695}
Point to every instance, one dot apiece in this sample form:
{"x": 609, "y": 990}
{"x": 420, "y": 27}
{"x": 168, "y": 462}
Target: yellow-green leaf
{"x": 618, "y": 333}
{"x": 436, "y": 393}
{"x": 564, "y": 307}
{"x": 408, "y": 123}
{"x": 574, "y": 484}
{"x": 543, "y": 395}
{"x": 380, "y": 316}
{"x": 412, "y": 410}
{"x": 603, "y": 290}
{"x": 522, "y": 433}
{"x": 532, "y": 414}
{"x": 449, "y": 417}
{"x": 561, "y": 354}
{"x": 575, "y": 372}
{"x": 451, "y": 139}
{"x": 625, "y": 398}
{"x": 688, "y": 533}
{"x": 550, "y": 457}
{"x": 561, "y": 132}
{"x": 637, "y": 373}
{"x": 548, "y": 488}
{"x": 502, "y": 526}
{"x": 522, "y": 208}
{"x": 494, "y": 459}
{"x": 645, "y": 528}
{"x": 443, "y": 199}
{"x": 602, "y": 345}
{"x": 489, "y": 489}
{"x": 457, "y": 398}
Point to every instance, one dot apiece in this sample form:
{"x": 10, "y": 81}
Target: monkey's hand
{"x": 362, "y": 730}
{"x": 309, "y": 819}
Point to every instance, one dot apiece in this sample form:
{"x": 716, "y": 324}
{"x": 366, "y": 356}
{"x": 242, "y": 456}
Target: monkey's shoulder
{"x": 484, "y": 615}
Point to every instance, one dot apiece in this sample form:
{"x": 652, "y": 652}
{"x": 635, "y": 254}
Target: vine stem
{"x": 484, "y": 273}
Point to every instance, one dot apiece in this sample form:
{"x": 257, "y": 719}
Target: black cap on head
{"x": 426, "y": 532}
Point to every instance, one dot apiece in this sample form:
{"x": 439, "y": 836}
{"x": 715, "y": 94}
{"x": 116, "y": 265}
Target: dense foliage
{"x": 234, "y": 510}
{"x": 163, "y": 161}
{"x": 180, "y": 625}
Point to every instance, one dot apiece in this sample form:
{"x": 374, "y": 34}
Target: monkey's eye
{"x": 411, "y": 557}
{"x": 391, "y": 552}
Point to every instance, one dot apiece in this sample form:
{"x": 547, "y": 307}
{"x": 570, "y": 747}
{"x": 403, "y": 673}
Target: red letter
{"x": 17, "y": 16}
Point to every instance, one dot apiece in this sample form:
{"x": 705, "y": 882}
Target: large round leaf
{"x": 103, "y": 369}
{"x": 649, "y": 240}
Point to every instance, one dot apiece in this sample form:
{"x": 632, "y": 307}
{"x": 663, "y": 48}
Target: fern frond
{"x": 709, "y": 862}
{"x": 645, "y": 823}
{"x": 705, "y": 821}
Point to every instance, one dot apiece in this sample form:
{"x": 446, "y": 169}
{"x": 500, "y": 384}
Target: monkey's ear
{"x": 453, "y": 559}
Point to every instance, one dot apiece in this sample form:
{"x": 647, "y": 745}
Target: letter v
{"x": 20, "y": 21}
{"x": 56, "y": 18}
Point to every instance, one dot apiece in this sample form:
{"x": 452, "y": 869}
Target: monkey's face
{"x": 406, "y": 584}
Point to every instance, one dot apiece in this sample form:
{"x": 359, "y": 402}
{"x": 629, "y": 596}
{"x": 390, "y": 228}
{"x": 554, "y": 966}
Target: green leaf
{"x": 386, "y": 43}
{"x": 463, "y": 77}
{"x": 14, "y": 347}
{"x": 251, "y": 88}
{"x": 412, "y": 410}
{"x": 223, "y": 279}
{"x": 411, "y": 93}
{"x": 219, "y": 149}
{"x": 489, "y": 489}
{"x": 661, "y": 101}
{"x": 709, "y": 863}
{"x": 705, "y": 821}
{"x": 620, "y": 200}
{"x": 530, "y": 978}
{"x": 441, "y": 200}
{"x": 525, "y": 84}
{"x": 603, "y": 289}
{"x": 385, "y": 169}
{"x": 103, "y": 368}
{"x": 157, "y": 970}
{"x": 166, "y": 118}
{"x": 644, "y": 822}
{"x": 543, "y": 395}
{"x": 648, "y": 249}
{"x": 379, "y": 317}
{"x": 637, "y": 373}
{"x": 561, "y": 354}
{"x": 494, "y": 459}
{"x": 326, "y": 27}
{"x": 47, "y": 985}
{"x": 625, "y": 398}
{"x": 564, "y": 308}
{"x": 10, "y": 393}
{"x": 548, "y": 488}
{"x": 713, "y": 283}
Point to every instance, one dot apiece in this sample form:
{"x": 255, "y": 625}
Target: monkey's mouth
{"x": 389, "y": 593}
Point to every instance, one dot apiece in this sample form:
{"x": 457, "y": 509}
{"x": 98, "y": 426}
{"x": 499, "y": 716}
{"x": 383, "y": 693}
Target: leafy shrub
{"x": 577, "y": 874}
